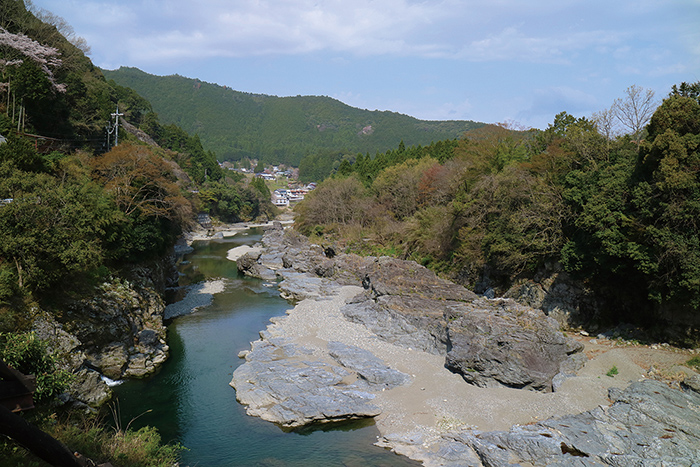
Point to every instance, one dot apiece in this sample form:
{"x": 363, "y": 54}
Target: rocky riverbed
{"x": 451, "y": 378}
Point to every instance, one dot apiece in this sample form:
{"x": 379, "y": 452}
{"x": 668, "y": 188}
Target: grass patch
{"x": 130, "y": 448}
{"x": 612, "y": 371}
{"x": 694, "y": 363}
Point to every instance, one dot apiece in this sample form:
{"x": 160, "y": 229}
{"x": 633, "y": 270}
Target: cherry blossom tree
{"x": 18, "y": 47}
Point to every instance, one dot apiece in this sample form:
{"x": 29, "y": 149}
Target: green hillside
{"x": 236, "y": 125}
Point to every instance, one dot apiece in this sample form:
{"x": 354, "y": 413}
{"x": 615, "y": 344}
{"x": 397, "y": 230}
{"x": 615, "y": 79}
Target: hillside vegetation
{"x": 278, "y": 130}
{"x": 618, "y": 214}
{"x": 78, "y": 212}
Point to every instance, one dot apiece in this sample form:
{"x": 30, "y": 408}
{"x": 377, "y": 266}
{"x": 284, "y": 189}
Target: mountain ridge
{"x": 236, "y": 124}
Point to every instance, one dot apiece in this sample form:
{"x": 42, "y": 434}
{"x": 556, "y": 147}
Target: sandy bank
{"x": 438, "y": 401}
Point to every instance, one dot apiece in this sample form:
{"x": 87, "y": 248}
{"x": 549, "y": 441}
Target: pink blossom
{"x": 44, "y": 56}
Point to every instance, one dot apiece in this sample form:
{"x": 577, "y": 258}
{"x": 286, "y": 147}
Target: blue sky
{"x": 483, "y": 60}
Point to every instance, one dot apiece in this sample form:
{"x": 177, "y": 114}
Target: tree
{"x": 53, "y": 230}
{"x": 691, "y": 90}
{"x": 341, "y": 201}
{"x": 143, "y": 186}
{"x": 635, "y": 110}
{"x": 18, "y": 46}
{"x": 605, "y": 122}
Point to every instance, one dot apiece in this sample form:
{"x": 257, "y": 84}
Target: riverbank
{"x": 222, "y": 230}
{"x": 415, "y": 418}
{"x": 436, "y": 417}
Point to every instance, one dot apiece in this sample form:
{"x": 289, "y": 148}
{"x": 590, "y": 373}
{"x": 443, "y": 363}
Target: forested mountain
{"x": 236, "y": 125}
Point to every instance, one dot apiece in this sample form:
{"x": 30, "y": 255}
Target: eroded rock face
{"x": 117, "y": 333}
{"x": 121, "y": 330}
{"x": 489, "y": 342}
{"x": 648, "y": 424}
{"x": 499, "y": 342}
{"x": 410, "y": 321}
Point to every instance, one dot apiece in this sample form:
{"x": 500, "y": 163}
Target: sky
{"x": 484, "y": 60}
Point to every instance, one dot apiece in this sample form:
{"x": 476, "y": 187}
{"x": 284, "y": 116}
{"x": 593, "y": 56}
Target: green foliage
{"x": 20, "y": 154}
{"x": 636, "y": 224}
{"x": 334, "y": 202}
{"x": 234, "y": 202}
{"x": 367, "y": 169}
{"x": 52, "y": 230}
{"x": 142, "y": 448}
{"x": 86, "y": 435}
{"x": 30, "y": 355}
{"x": 612, "y": 372}
{"x": 512, "y": 221}
{"x": 199, "y": 164}
{"x": 619, "y": 215}
{"x": 694, "y": 363}
{"x": 259, "y": 184}
{"x": 318, "y": 166}
{"x": 238, "y": 125}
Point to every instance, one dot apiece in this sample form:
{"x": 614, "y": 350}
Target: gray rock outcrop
{"x": 118, "y": 333}
{"x": 490, "y": 343}
{"x": 499, "y": 342}
{"x": 648, "y": 424}
{"x": 282, "y": 383}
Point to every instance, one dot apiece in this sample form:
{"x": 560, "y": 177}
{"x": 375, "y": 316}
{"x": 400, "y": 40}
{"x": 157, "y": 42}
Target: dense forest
{"x": 78, "y": 211}
{"x": 75, "y": 203}
{"x": 278, "y": 130}
{"x": 616, "y": 210}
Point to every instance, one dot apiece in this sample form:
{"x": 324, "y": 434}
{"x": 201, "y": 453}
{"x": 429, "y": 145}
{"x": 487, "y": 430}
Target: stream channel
{"x": 190, "y": 401}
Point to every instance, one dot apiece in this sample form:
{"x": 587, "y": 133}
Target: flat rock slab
{"x": 281, "y": 384}
{"x": 235, "y": 253}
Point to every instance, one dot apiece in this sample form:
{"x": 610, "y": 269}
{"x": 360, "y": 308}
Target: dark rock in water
{"x": 648, "y": 424}
{"x": 249, "y": 265}
{"x": 494, "y": 343}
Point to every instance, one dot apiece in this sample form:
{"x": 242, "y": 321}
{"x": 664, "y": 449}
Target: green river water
{"x": 190, "y": 401}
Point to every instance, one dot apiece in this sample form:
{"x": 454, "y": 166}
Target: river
{"x": 189, "y": 401}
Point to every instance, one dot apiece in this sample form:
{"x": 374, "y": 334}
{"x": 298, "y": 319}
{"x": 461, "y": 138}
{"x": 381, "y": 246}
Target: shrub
{"x": 30, "y": 355}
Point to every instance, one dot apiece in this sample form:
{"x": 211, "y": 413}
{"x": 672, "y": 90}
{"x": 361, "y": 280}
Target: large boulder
{"x": 502, "y": 343}
{"x": 282, "y": 383}
{"x": 409, "y": 321}
{"x": 391, "y": 276}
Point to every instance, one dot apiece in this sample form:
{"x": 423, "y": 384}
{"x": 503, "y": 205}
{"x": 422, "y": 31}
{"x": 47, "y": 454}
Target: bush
{"x": 30, "y": 355}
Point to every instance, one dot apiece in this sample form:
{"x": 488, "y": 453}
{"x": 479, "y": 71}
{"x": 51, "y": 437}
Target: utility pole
{"x": 116, "y": 116}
